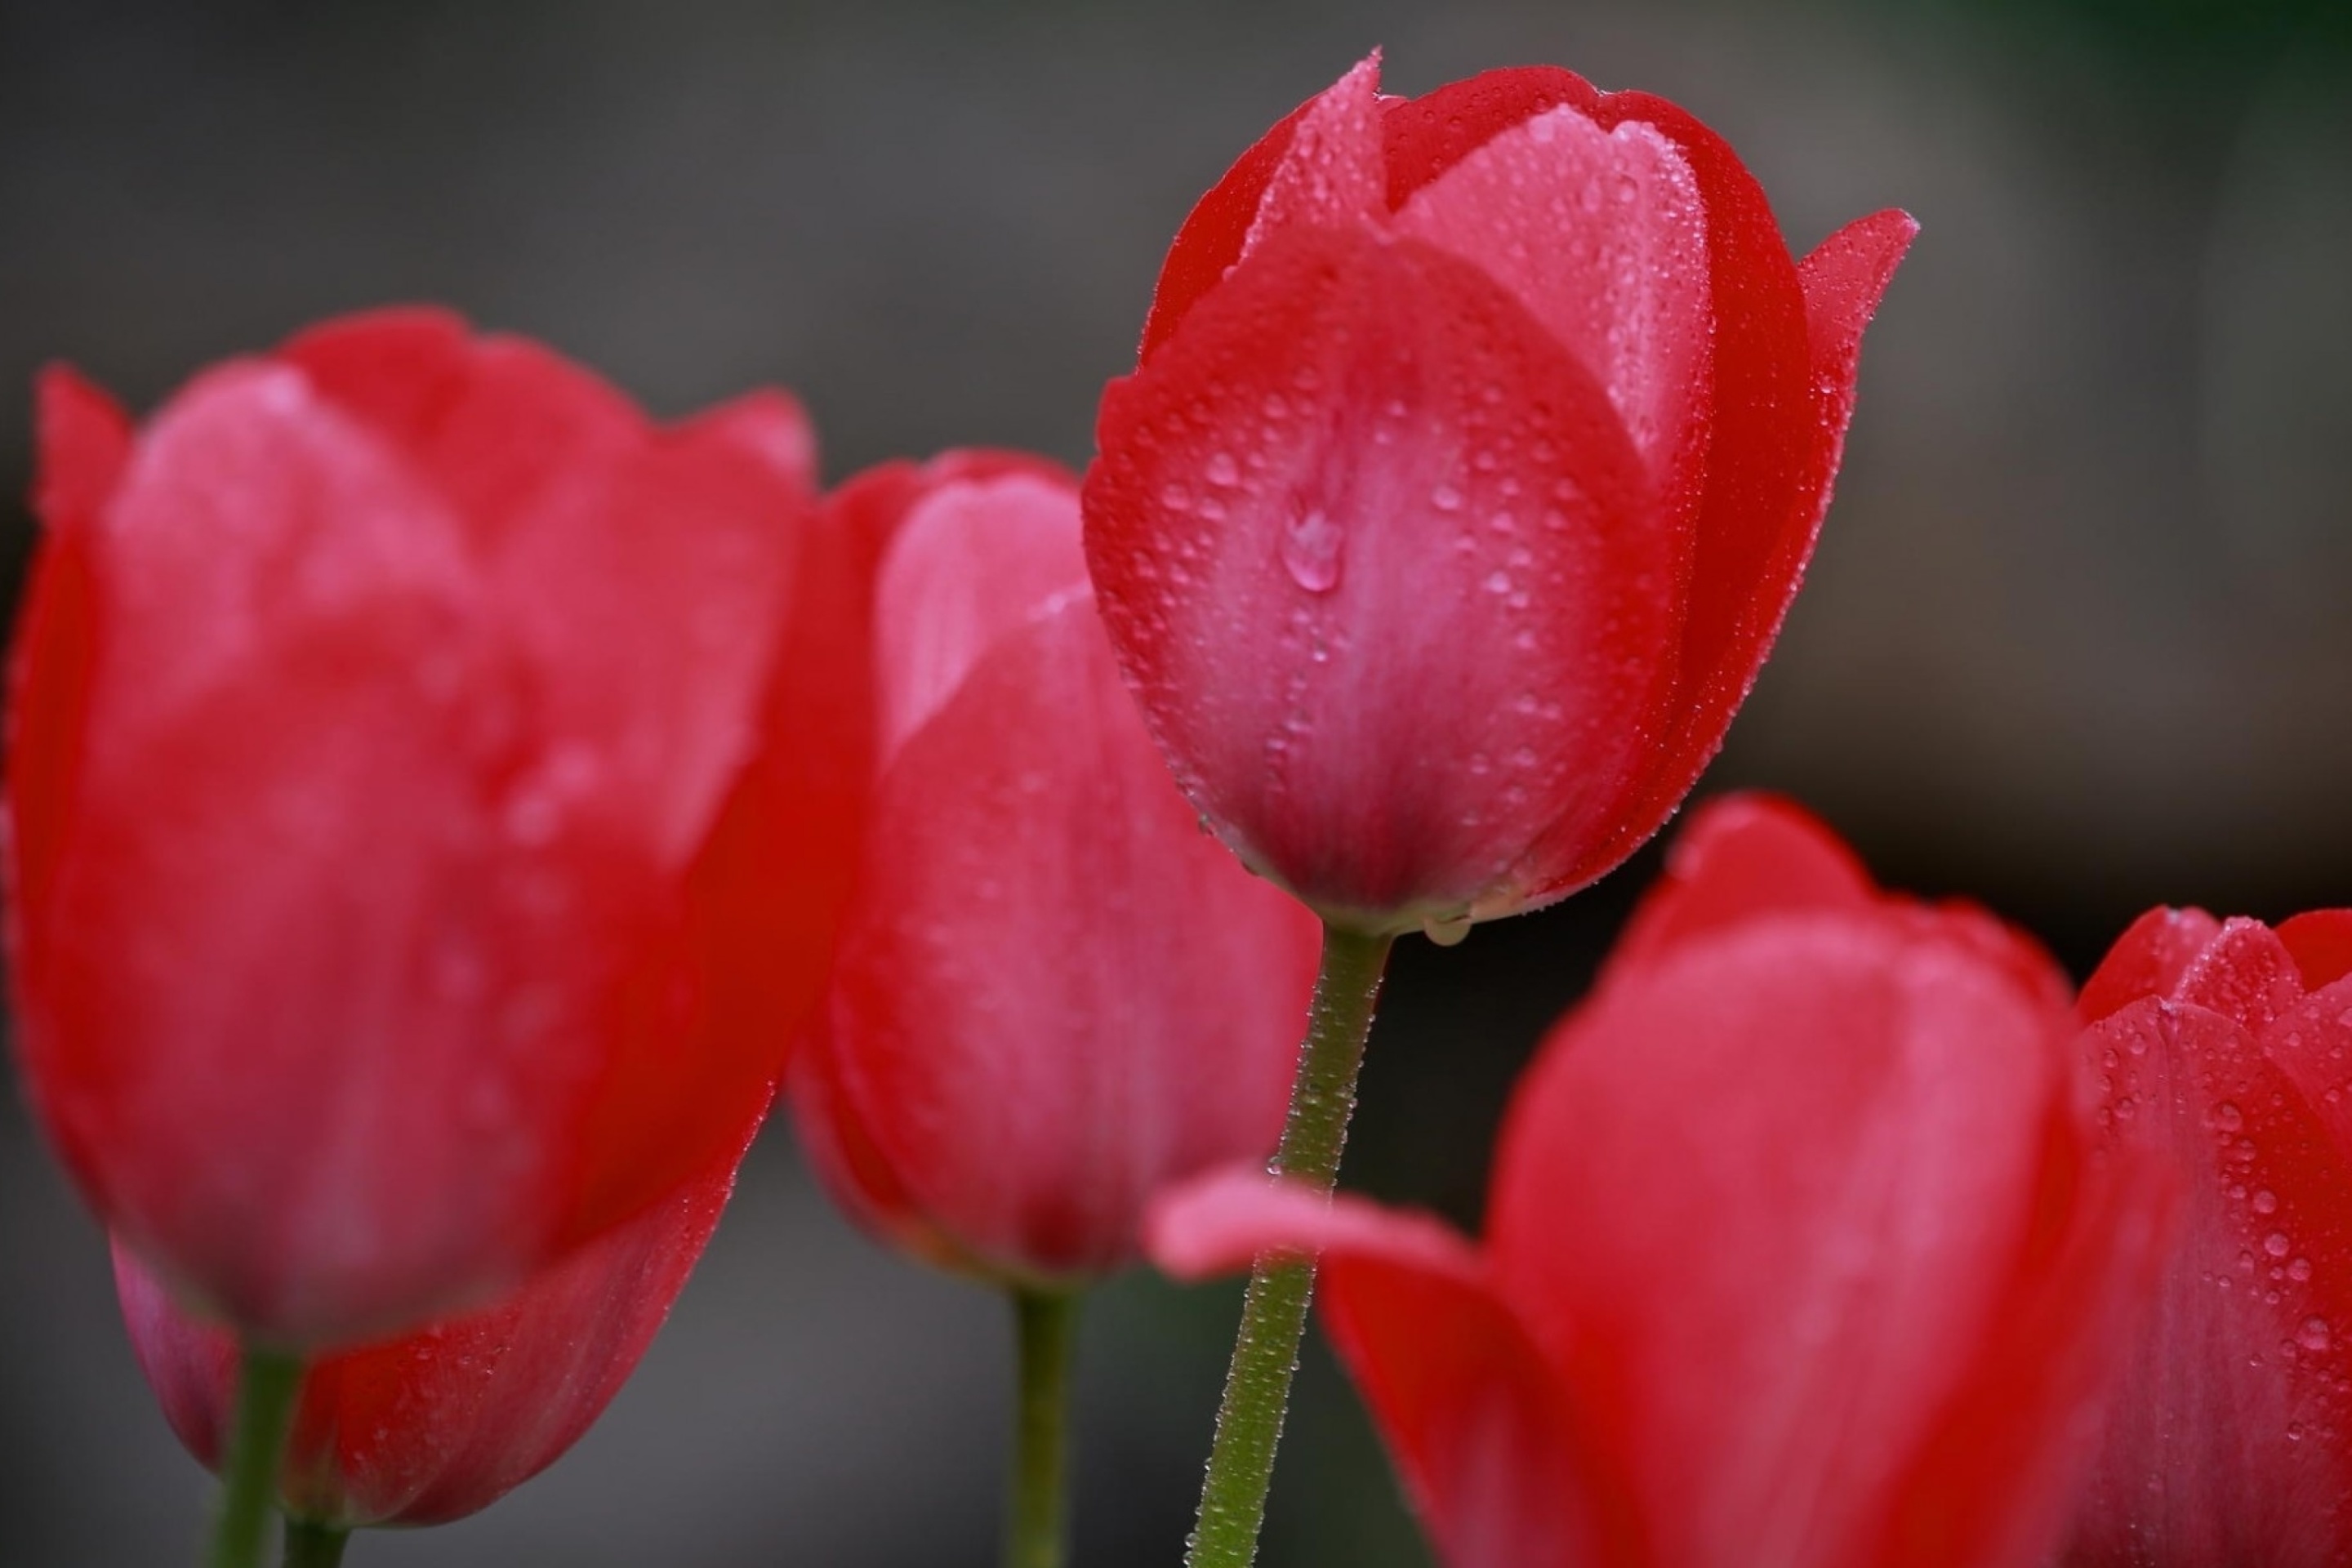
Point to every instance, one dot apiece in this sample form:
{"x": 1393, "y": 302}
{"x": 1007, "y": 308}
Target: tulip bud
{"x": 1053, "y": 992}
{"x": 1797, "y": 1252}
{"x": 423, "y": 836}
{"x": 1478, "y": 445}
{"x": 2224, "y": 1049}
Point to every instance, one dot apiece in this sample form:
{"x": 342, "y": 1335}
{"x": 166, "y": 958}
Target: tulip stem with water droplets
{"x": 1037, "y": 1520}
{"x": 314, "y": 1545}
{"x": 1274, "y": 1312}
{"x": 267, "y": 1382}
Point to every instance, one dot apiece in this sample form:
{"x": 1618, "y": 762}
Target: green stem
{"x": 311, "y": 1545}
{"x": 1274, "y": 1312}
{"x": 1036, "y": 1528}
{"x": 267, "y": 1382}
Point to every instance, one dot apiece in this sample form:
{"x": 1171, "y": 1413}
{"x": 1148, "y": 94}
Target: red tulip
{"x": 1796, "y": 1253}
{"x": 1053, "y": 993}
{"x": 1477, "y": 446}
{"x": 444, "y": 1421}
{"x": 2226, "y": 1052}
{"x": 427, "y": 793}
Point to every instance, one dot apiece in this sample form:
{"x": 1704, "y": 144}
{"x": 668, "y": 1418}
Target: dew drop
{"x": 2315, "y": 1335}
{"x": 1445, "y": 931}
{"x": 2299, "y": 1270}
{"x": 2266, "y": 1202}
{"x": 1445, "y": 498}
{"x": 2277, "y": 1244}
{"x": 2228, "y": 1117}
{"x": 1176, "y": 497}
{"x": 1310, "y": 550}
{"x": 1223, "y": 470}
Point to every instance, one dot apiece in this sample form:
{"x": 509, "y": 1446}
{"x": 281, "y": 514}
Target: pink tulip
{"x": 2225, "y": 1051}
{"x": 1797, "y": 1253}
{"x": 1053, "y": 993}
{"x": 431, "y": 794}
{"x": 1478, "y": 444}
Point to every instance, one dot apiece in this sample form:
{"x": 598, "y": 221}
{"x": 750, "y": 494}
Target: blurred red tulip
{"x": 2225, "y": 1050}
{"x": 443, "y": 1422}
{"x": 1796, "y": 1254}
{"x": 1053, "y": 992}
{"x": 427, "y": 808}
{"x": 1477, "y": 446}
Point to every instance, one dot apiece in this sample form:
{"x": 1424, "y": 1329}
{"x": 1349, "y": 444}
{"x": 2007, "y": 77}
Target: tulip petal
{"x": 1764, "y": 1199}
{"x": 2000, "y": 1476}
{"x": 1330, "y": 175}
{"x": 2244, "y": 973}
{"x": 1219, "y": 1221}
{"x": 1600, "y": 234}
{"x": 1390, "y": 601}
{"x": 2321, "y": 942}
{"x": 1025, "y": 855}
{"x": 443, "y": 1421}
{"x": 2223, "y": 1443}
{"x": 768, "y": 423}
{"x": 1218, "y": 229}
{"x": 2148, "y": 960}
{"x": 1428, "y": 135}
{"x": 1843, "y": 279}
{"x": 1480, "y": 1431}
{"x": 398, "y": 371}
{"x": 970, "y": 562}
{"x": 85, "y": 442}
{"x": 1741, "y": 855}
{"x": 1767, "y": 485}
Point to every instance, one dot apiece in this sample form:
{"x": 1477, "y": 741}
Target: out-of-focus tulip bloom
{"x": 1478, "y": 442}
{"x": 427, "y": 791}
{"x": 1052, "y": 994}
{"x": 2225, "y": 1049}
{"x": 1797, "y": 1251}
{"x": 444, "y": 1421}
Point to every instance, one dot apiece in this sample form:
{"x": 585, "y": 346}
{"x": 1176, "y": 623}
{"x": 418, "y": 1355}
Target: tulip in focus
{"x": 1798, "y": 1252}
{"x": 1053, "y": 993}
{"x": 2225, "y": 1049}
{"x": 1478, "y": 445}
{"x": 443, "y": 1421}
{"x": 428, "y": 792}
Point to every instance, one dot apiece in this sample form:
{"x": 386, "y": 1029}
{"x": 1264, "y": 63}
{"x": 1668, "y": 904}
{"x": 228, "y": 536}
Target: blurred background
{"x": 2076, "y": 640}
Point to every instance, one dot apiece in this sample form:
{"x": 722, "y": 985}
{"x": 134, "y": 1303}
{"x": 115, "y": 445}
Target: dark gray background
{"x": 2075, "y": 641}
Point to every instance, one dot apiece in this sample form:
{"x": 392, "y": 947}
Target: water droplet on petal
{"x": 1222, "y": 470}
{"x": 2314, "y": 1335}
{"x": 1310, "y": 550}
{"x": 2277, "y": 1244}
{"x": 1446, "y": 931}
{"x": 2266, "y": 1202}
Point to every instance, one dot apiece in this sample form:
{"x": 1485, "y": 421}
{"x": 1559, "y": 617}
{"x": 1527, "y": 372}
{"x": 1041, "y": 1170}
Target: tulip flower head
{"x": 1053, "y": 992}
{"x": 1796, "y": 1253}
{"x": 443, "y": 1421}
{"x": 407, "y": 881}
{"x": 1478, "y": 445}
{"x": 2225, "y": 1049}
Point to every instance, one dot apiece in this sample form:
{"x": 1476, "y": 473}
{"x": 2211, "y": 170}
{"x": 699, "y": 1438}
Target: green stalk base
{"x": 267, "y": 1382}
{"x": 1274, "y": 1312}
{"x": 1036, "y": 1527}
